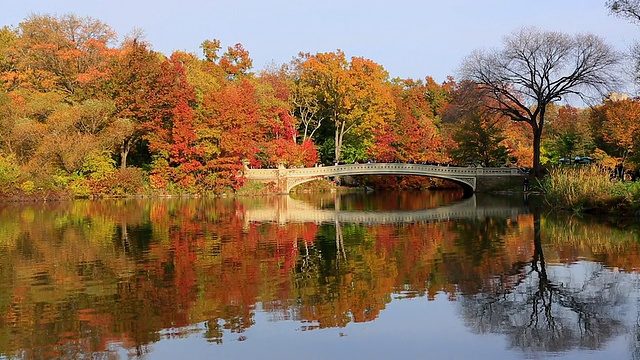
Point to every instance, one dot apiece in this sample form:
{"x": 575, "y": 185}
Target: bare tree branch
{"x": 536, "y": 68}
{"x": 627, "y": 9}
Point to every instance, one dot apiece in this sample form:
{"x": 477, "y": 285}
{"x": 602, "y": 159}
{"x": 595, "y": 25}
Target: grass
{"x": 589, "y": 189}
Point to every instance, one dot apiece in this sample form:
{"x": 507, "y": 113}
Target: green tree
{"x": 479, "y": 141}
{"x": 568, "y": 132}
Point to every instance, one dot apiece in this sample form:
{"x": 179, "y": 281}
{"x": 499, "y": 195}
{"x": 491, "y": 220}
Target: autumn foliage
{"x": 75, "y": 106}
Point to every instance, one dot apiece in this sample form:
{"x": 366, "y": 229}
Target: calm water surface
{"x": 360, "y": 276}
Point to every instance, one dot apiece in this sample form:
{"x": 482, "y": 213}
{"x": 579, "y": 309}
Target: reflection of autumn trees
{"x": 58, "y": 278}
{"x": 487, "y": 254}
{"x": 76, "y": 276}
{"x": 568, "y": 239}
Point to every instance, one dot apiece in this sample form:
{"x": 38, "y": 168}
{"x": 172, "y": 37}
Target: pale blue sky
{"x": 409, "y": 38}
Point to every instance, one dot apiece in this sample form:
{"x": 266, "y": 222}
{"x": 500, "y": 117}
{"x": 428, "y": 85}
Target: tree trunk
{"x": 537, "y": 139}
{"x": 336, "y": 144}
{"x": 306, "y": 129}
{"x": 124, "y": 152}
{"x": 339, "y": 138}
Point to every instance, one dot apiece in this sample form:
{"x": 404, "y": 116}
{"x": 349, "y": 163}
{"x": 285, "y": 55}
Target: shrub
{"x": 9, "y": 173}
{"x": 121, "y": 182}
{"x": 630, "y": 193}
{"x": 98, "y": 165}
{"x": 159, "y": 177}
{"x": 28, "y": 187}
{"x": 80, "y": 187}
{"x": 129, "y": 181}
{"x": 252, "y": 188}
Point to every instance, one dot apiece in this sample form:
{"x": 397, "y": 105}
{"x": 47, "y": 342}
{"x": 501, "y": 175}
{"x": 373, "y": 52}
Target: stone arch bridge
{"x": 472, "y": 179}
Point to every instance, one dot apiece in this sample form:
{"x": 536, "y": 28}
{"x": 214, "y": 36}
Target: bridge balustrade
{"x": 287, "y": 178}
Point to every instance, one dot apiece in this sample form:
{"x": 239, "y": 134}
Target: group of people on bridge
{"x": 434, "y": 163}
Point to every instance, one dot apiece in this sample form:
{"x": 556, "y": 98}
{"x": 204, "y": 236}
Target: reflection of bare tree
{"x": 340, "y": 252}
{"x": 550, "y": 308}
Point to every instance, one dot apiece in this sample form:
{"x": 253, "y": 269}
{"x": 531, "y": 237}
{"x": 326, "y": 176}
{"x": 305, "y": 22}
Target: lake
{"x": 315, "y": 276}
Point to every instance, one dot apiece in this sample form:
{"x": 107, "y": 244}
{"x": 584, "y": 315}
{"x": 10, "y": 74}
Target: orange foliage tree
{"x": 616, "y": 128}
{"x": 132, "y": 85}
{"x": 64, "y": 53}
{"x": 416, "y": 128}
{"x": 353, "y": 95}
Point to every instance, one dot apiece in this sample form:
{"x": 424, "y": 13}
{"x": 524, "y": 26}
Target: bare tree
{"x": 536, "y": 68}
{"x": 629, "y": 10}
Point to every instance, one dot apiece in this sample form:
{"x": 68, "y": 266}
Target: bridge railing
{"x": 261, "y": 173}
{"x": 379, "y": 168}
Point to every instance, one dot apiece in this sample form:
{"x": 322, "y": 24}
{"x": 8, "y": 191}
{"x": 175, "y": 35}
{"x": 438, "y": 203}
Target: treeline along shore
{"x": 85, "y": 113}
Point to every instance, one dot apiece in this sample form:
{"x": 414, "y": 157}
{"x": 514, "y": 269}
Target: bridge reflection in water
{"x": 290, "y": 210}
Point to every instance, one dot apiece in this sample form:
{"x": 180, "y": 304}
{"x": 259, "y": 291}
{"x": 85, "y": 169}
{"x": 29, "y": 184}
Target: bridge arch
{"x": 468, "y": 184}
